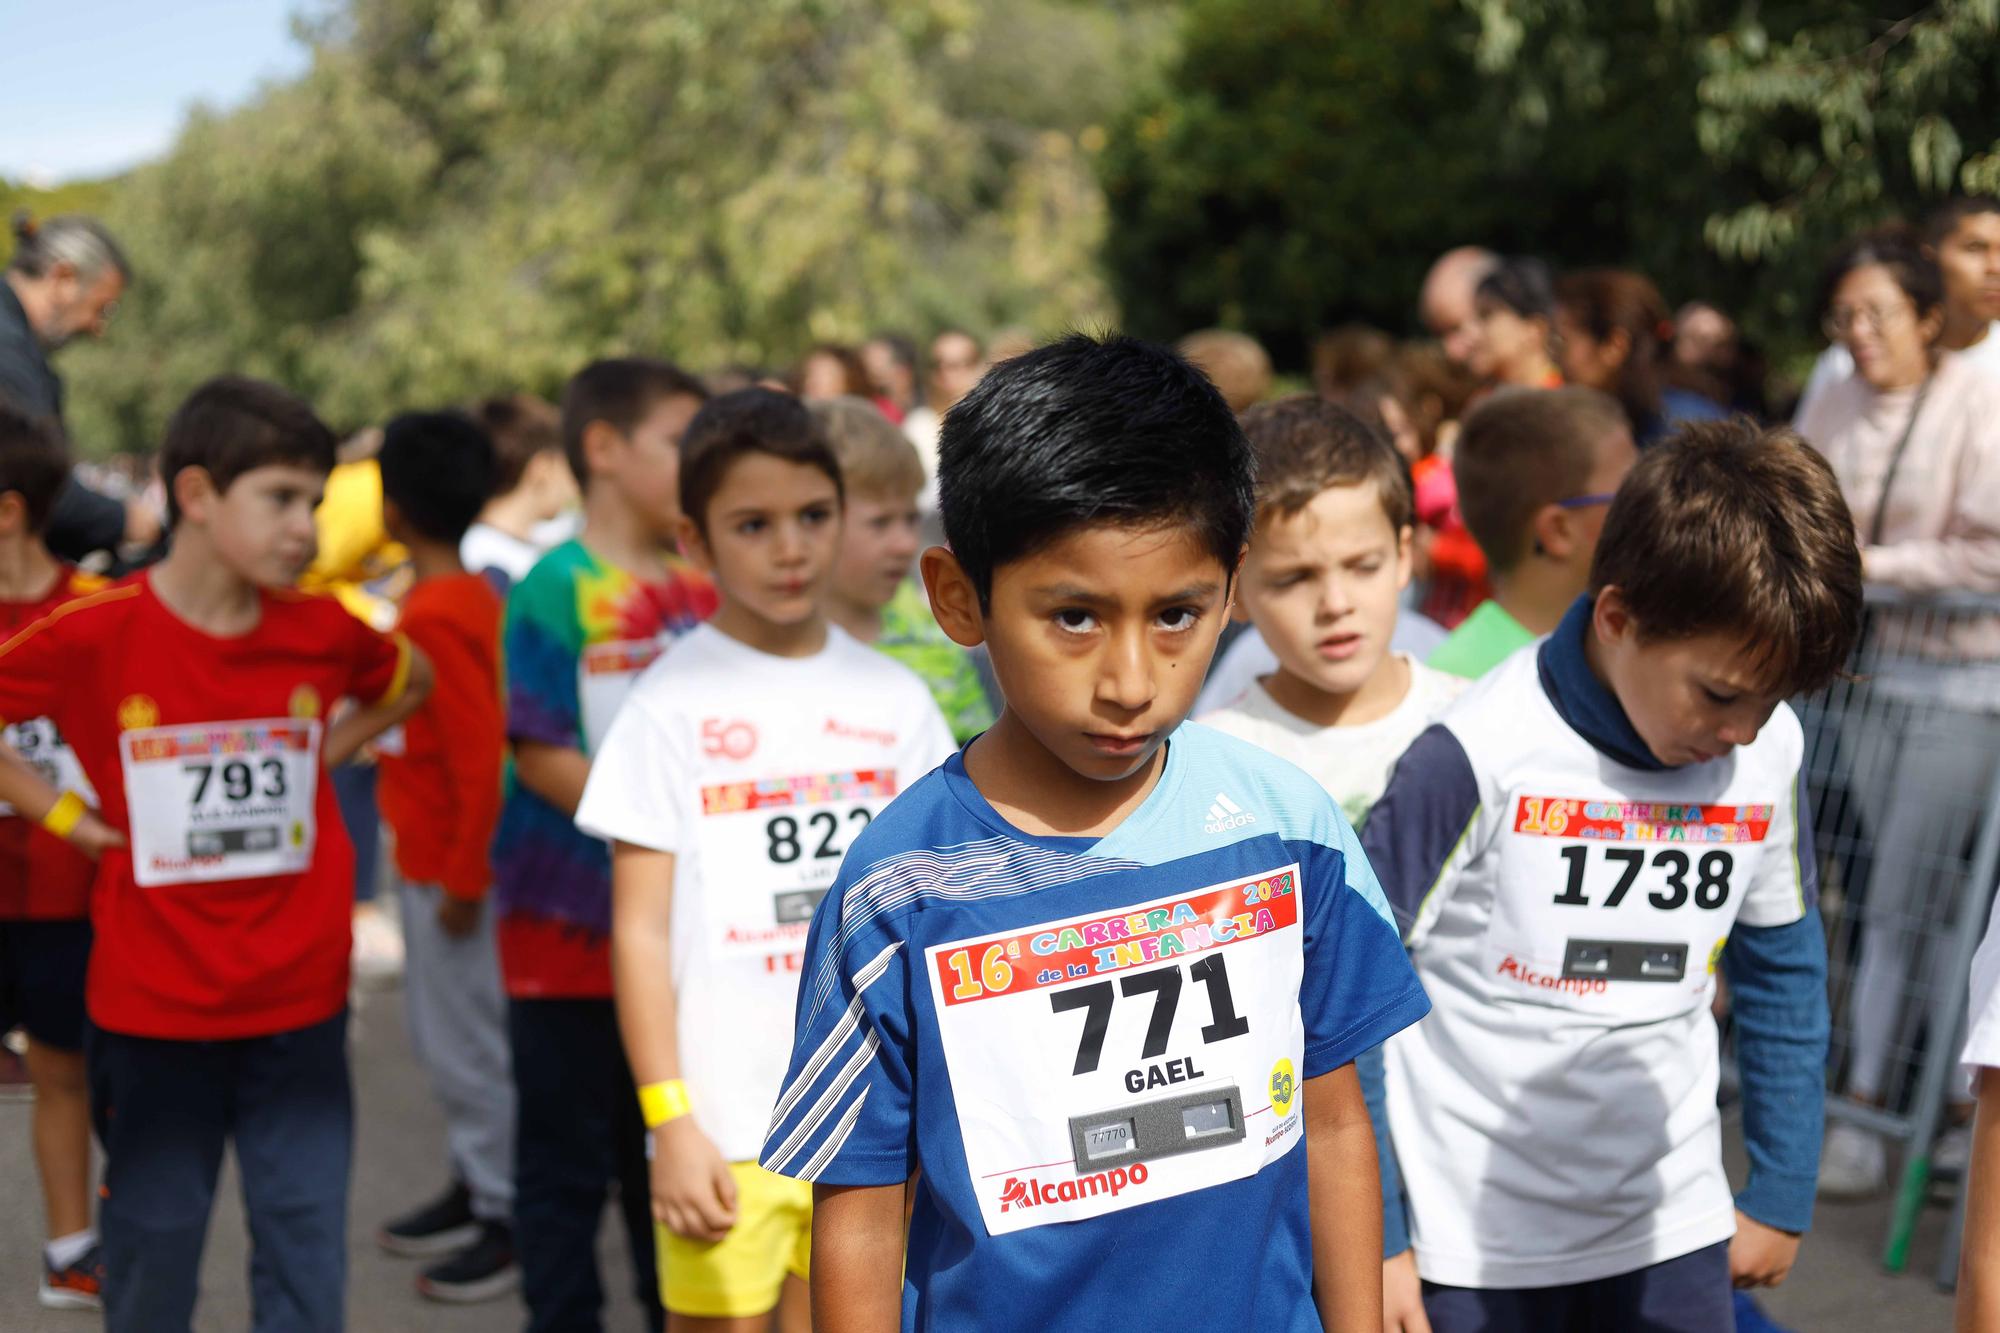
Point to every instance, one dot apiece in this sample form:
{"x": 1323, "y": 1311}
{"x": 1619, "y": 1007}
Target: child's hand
{"x": 1403, "y": 1296}
{"x": 1760, "y": 1256}
{"x": 458, "y": 917}
{"x": 694, "y": 1195}
{"x": 93, "y": 837}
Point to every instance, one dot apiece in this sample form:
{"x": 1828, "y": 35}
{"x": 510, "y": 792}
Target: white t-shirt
{"x": 756, "y": 772}
{"x": 1836, "y": 363}
{"x": 1555, "y": 1114}
{"x": 486, "y": 547}
{"x": 1352, "y": 763}
{"x": 920, "y": 427}
{"x": 1982, "y": 1035}
{"x": 1247, "y": 657}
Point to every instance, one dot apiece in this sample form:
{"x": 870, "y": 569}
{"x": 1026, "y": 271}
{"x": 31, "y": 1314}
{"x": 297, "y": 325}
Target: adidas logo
{"x": 1224, "y": 815}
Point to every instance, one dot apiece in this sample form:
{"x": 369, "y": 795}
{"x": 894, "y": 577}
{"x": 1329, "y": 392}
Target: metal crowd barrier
{"x": 1902, "y": 777}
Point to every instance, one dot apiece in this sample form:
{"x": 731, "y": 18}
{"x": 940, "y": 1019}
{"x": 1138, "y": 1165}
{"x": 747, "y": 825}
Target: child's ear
{"x": 194, "y": 493}
{"x": 1549, "y": 534}
{"x": 954, "y": 601}
{"x": 693, "y": 547}
{"x": 601, "y": 442}
{"x": 13, "y": 514}
{"x": 1610, "y": 617}
{"x": 1406, "y": 555}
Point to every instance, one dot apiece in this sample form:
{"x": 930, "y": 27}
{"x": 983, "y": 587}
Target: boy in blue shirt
{"x": 1104, "y": 967}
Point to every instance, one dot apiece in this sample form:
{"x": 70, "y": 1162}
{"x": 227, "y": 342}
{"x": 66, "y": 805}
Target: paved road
{"x": 1838, "y": 1284}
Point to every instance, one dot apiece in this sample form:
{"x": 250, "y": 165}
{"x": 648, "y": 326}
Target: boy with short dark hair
{"x": 1102, "y": 959}
{"x": 1575, "y": 848}
{"x": 532, "y": 487}
{"x": 198, "y": 700}
{"x": 870, "y": 592}
{"x": 45, "y": 882}
{"x": 1536, "y": 470}
{"x": 739, "y": 769}
{"x": 440, "y": 798}
{"x": 588, "y": 618}
{"x": 1323, "y": 582}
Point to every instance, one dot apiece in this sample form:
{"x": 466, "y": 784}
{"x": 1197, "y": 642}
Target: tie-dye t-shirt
{"x": 578, "y": 631}
{"x": 911, "y": 636}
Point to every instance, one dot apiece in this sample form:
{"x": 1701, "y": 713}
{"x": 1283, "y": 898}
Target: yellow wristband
{"x": 661, "y": 1102}
{"x": 64, "y": 815}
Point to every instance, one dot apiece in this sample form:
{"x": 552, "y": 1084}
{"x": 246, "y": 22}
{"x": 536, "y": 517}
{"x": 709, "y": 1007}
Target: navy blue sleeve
{"x": 1420, "y": 820}
{"x": 1395, "y": 1219}
{"x": 1358, "y": 988}
{"x": 1777, "y": 992}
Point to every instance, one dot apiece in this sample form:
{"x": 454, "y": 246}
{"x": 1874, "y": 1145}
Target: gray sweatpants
{"x": 458, "y": 1026}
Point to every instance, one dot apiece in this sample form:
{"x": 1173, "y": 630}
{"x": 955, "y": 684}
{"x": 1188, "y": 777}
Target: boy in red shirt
{"x": 44, "y": 882}
{"x": 197, "y": 699}
{"x": 440, "y": 797}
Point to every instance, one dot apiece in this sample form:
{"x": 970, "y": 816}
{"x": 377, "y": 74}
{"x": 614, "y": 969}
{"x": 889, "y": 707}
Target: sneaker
{"x": 1952, "y": 1153}
{"x": 378, "y": 947}
{"x": 78, "y": 1287}
{"x": 439, "y": 1227}
{"x": 15, "y": 1085}
{"x": 1854, "y": 1164}
{"x": 484, "y": 1270}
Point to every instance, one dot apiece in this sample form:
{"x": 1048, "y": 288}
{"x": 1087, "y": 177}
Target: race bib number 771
{"x": 1106, "y": 1060}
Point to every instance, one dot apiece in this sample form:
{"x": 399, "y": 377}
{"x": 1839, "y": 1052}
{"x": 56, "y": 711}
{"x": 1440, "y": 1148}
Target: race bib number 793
{"x": 225, "y": 800}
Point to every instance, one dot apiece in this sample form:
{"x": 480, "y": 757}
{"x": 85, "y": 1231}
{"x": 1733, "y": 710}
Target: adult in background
{"x": 1235, "y": 362}
{"x": 1614, "y": 333}
{"x": 830, "y": 370}
{"x": 1913, "y": 434}
{"x": 1963, "y": 239}
{"x": 1446, "y": 302}
{"x": 1514, "y": 321}
{"x": 957, "y": 362}
{"x": 891, "y": 362}
{"x": 64, "y": 282}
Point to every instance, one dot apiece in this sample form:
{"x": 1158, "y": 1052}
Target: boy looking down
{"x": 1573, "y": 851}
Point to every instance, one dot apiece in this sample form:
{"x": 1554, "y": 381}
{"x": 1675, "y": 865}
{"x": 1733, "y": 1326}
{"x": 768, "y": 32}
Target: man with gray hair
{"x": 63, "y": 282}
{"x": 1446, "y": 302}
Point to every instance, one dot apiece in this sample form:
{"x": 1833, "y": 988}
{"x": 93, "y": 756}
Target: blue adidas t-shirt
{"x": 1093, "y": 1048}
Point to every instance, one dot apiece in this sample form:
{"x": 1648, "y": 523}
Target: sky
{"x": 95, "y": 86}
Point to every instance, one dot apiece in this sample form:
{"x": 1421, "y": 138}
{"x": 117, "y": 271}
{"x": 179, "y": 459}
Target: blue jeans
{"x": 1690, "y": 1294}
{"x": 354, "y": 793}
{"x": 164, "y": 1111}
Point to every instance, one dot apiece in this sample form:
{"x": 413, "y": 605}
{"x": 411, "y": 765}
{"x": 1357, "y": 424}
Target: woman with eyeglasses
{"x": 1913, "y": 434}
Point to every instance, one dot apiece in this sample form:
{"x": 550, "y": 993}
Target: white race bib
{"x": 38, "y": 742}
{"x": 1616, "y": 907}
{"x": 222, "y": 800}
{"x": 604, "y": 676}
{"x": 780, "y": 840}
{"x": 1107, "y": 1060}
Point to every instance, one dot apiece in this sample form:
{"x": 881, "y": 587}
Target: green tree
{"x": 1301, "y": 163}
{"x": 469, "y": 195}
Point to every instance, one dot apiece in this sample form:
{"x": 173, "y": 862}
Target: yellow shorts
{"x": 742, "y": 1274}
